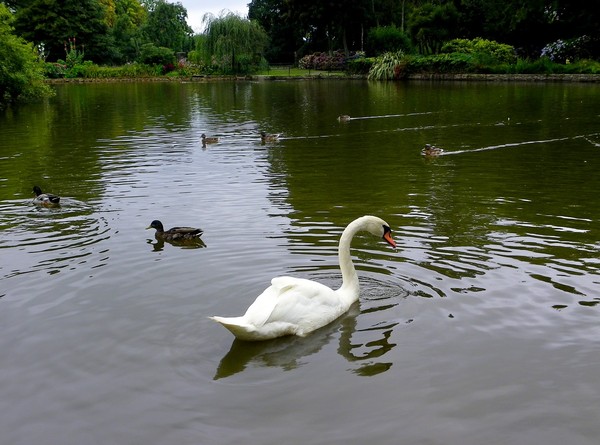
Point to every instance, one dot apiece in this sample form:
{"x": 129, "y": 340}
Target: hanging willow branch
{"x": 230, "y": 38}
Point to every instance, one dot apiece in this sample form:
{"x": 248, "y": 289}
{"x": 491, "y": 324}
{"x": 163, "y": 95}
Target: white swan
{"x": 296, "y": 306}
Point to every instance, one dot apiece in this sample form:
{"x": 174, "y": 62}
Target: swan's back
{"x": 290, "y": 306}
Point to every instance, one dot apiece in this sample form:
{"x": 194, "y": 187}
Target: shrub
{"x": 137, "y": 70}
{"x": 360, "y": 65}
{"x": 323, "y": 61}
{"x": 586, "y": 66}
{"x": 195, "y": 56}
{"x": 487, "y": 50}
{"x": 388, "y": 66}
{"x": 442, "y": 63}
{"x": 565, "y": 51}
{"x": 383, "y": 39}
{"x": 54, "y": 70}
{"x": 156, "y": 55}
{"x": 21, "y": 72}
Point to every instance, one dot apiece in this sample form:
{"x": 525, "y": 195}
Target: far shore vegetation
{"x": 375, "y": 39}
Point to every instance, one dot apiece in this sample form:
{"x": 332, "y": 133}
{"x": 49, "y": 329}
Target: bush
{"x": 156, "y": 55}
{"x": 526, "y": 66}
{"x": 586, "y": 67}
{"x": 442, "y": 63}
{"x": 383, "y": 39}
{"x": 89, "y": 70}
{"x": 565, "y": 51}
{"x": 195, "y": 56}
{"x": 54, "y": 70}
{"x": 361, "y": 65}
{"x": 21, "y": 72}
{"x": 388, "y": 66}
{"x": 488, "y": 51}
{"x": 323, "y": 61}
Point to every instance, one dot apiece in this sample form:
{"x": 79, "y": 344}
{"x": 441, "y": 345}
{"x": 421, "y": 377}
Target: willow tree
{"x": 232, "y": 43}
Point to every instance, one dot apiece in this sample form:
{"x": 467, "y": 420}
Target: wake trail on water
{"x": 517, "y": 144}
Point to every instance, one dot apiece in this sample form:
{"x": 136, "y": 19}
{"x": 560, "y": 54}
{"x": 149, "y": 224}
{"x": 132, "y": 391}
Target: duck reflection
{"x": 159, "y": 244}
{"x": 287, "y": 352}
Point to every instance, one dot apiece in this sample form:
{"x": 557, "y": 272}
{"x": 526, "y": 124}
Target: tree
{"x": 285, "y": 36}
{"x": 382, "y": 39}
{"x": 126, "y": 32}
{"x": 432, "y": 25}
{"x": 51, "y": 23}
{"x": 21, "y": 72}
{"x": 234, "y": 43}
{"x": 334, "y": 23}
{"x": 167, "y": 26}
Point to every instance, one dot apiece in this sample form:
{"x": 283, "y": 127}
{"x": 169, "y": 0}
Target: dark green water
{"x": 481, "y": 328}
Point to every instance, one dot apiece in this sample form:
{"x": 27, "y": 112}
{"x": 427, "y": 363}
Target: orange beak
{"x": 387, "y": 236}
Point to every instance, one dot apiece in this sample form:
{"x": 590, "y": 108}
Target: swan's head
{"x": 379, "y": 228}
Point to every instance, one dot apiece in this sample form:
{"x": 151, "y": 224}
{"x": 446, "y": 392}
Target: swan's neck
{"x": 350, "y": 286}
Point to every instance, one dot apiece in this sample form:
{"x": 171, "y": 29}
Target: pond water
{"x": 480, "y": 328}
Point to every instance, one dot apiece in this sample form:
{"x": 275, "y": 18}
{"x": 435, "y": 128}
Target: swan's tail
{"x": 238, "y": 327}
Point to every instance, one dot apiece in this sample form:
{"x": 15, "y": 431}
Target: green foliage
{"x": 383, "y": 39}
{"x": 361, "y": 65}
{"x": 136, "y": 70}
{"x": 431, "y": 25}
{"x": 21, "y": 72}
{"x": 538, "y": 66}
{"x": 485, "y": 49}
{"x": 126, "y": 32}
{"x": 54, "y": 70}
{"x": 154, "y": 55}
{"x": 68, "y": 67}
{"x": 166, "y": 26}
{"x": 232, "y": 44}
{"x": 195, "y": 56}
{"x": 585, "y": 66}
{"x": 545, "y": 66}
{"x": 51, "y": 23}
{"x": 285, "y": 35}
{"x": 89, "y": 70}
{"x": 443, "y": 63}
{"x": 388, "y": 66}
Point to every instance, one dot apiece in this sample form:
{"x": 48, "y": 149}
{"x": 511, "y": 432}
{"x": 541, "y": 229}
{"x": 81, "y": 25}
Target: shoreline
{"x": 468, "y": 77}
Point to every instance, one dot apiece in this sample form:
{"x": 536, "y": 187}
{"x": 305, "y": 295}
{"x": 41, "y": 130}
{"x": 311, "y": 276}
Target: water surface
{"x": 482, "y": 327}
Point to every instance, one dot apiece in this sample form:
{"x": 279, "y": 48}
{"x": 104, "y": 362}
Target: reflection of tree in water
{"x": 287, "y": 352}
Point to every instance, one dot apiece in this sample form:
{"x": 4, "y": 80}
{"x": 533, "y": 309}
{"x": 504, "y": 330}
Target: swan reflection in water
{"x": 287, "y": 352}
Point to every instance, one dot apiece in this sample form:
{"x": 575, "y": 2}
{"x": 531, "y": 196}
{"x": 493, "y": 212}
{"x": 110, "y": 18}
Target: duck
{"x": 175, "y": 233}
{"x": 208, "y": 140}
{"x": 343, "y": 118}
{"x": 44, "y": 199}
{"x": 298, "y": 306}
{"x": 431, "y": 150}
{"x": 266, "y": 137}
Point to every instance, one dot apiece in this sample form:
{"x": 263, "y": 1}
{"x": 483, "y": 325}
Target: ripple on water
{"x": 51, "y": 239}
{"x": 362, "y": 338}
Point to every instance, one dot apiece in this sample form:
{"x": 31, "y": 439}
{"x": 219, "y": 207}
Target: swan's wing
{"x": 296, "y": 301}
